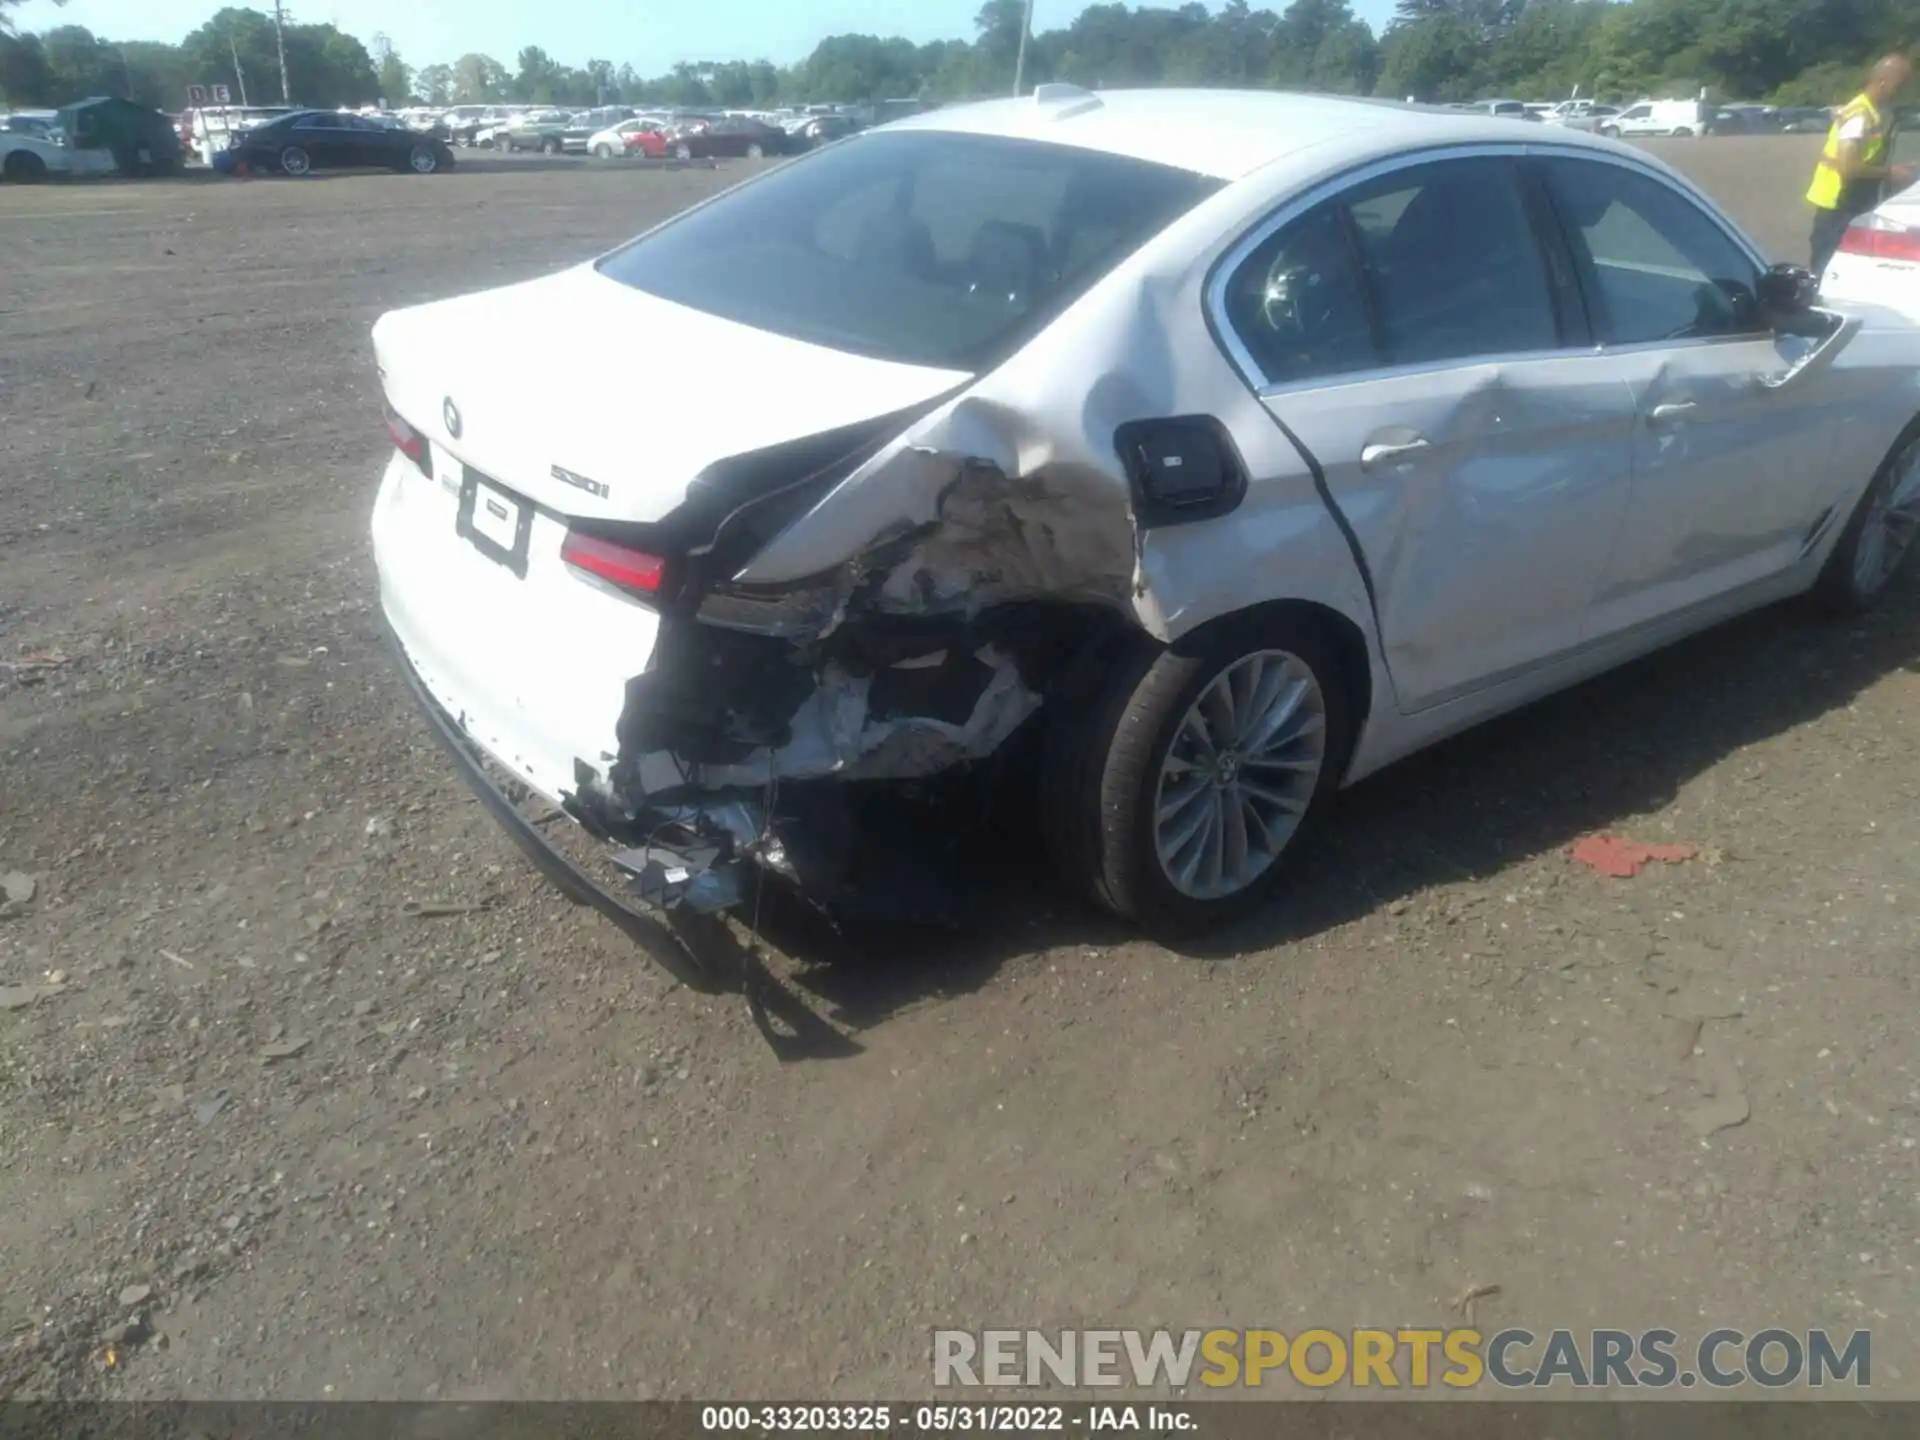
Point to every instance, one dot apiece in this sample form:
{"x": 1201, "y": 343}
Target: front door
{"x": 1728, "y": 470}
{"x": 1419, "y": 340}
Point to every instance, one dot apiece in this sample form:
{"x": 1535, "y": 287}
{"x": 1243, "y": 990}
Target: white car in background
{"x": 611, "y": 143}
{"x": 1878, "y": 262}
{"x": 1660, "y": 117}
{"x": 1585, "y": 115}
{"x": 32, "y": 147}
{"x": 1244, "y": 443}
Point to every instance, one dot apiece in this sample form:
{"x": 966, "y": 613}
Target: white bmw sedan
{"x": 1240, "y": 443}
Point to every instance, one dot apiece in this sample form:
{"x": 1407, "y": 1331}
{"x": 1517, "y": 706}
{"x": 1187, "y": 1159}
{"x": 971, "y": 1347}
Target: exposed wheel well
{"x": 1096, "y": 638}
{"x": 1348, "y": 638}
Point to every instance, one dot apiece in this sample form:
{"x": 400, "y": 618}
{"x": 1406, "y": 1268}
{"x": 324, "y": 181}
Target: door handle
{"x": 1376, "y": 455}
{"x": 1671, "y": 411}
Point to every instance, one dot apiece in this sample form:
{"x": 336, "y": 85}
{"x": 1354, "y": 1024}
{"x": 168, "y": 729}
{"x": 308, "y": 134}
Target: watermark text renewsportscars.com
{"x": 1412, "y": 1359}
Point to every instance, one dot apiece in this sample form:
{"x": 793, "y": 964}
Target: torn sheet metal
{"x": 979, "y": 511}
{"x": 835, "y": 733}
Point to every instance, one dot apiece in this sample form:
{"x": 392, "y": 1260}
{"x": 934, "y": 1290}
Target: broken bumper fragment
{"x": 667, "y": 872}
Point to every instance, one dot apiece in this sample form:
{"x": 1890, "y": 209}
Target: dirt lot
{"x": 345, "y": 1152}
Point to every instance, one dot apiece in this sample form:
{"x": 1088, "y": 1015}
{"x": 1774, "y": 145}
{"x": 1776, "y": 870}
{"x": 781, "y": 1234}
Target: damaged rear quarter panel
{"x": 1014, "y": 490}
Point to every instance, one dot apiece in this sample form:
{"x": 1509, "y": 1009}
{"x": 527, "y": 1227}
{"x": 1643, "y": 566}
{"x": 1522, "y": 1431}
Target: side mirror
{"x": 1788, "y": 290}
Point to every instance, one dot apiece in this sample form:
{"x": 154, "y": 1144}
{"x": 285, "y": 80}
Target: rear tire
{"x": 1117, "y": 795}
{"x": 1878, "y": 543}
{"x": 1683, "y": 133}
{"x": 603, "y": 151}
{"x": 1612, "y": 132}
{"x": 756, "y": 151}
{"x": 23, "y": 167}
{"x": 683, "y": 151}
{"x": 549, "y": 147}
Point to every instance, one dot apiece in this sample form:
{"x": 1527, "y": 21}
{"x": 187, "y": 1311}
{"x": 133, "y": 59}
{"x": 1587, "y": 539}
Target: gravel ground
{"x": 264, "y": 1134}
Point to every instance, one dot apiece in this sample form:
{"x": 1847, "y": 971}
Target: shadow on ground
{"x": 1519, "y": 787}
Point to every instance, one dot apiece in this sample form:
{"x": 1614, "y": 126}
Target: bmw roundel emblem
{"x": 450, "y": 413}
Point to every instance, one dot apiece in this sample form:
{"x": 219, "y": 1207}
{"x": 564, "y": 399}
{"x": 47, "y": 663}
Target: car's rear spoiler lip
{"x": 650, "y": 934}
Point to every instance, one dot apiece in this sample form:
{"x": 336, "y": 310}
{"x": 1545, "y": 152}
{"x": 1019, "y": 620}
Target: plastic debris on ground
{"x": 1623, "y": 859}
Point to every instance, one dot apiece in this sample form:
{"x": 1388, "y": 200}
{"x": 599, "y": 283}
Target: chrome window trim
{"x": 1228, "y": 338}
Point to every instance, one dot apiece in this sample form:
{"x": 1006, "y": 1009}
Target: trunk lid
{"x": 597, "y": 400}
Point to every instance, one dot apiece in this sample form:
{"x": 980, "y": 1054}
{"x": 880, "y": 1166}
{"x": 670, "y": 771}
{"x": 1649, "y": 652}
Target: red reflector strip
{"x": 1881, "y": 240}
{"x": 629, "y": 569}
{"x": 408, "y": 441}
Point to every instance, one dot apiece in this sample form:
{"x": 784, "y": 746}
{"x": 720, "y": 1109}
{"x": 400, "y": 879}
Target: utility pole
{"x": 1020, "y": 65}
{"x": 238, "y": 74}
{"x": 280, "y": 44}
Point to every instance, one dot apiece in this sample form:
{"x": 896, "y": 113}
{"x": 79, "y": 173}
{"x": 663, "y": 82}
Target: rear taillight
{"x": 1877, "y": 238}
{"x": 622, "y": 565}
{"x": 409, "y": 442}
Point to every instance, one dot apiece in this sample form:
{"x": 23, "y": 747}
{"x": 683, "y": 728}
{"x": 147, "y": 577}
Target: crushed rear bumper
{"x": 652, "y": 933}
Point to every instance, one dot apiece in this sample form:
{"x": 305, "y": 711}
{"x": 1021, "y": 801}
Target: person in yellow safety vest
{"x": 1853, "y": 170}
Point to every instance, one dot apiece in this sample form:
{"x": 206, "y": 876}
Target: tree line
{"x": 1789, "y": 51}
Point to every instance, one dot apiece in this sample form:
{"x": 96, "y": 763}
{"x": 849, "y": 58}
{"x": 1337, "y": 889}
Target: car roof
{"x": 1228, "y": 134}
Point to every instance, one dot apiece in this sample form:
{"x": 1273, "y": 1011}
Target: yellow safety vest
{"x": 1828, "y": 186}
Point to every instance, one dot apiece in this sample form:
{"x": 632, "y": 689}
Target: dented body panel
{"x": 1487, "y": 543}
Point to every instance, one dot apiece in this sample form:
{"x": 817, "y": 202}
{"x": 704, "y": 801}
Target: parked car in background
{"x": 33, "y": 146}
{"x": 1583, "y": 115}
{"x": 732, "y": 136}
{"x": 1661, "y": 117}
{"x": 1806, "y": 120}
{"x": 479, "y": 122}
{"x": 614, "y": 141}
{"x": 1504, "y": 109}
{"x": 30, "y": 122}
{"x": 651, "y": 142}
{"x": 823, "y": 130}
{"x": 1744, "y": 119}
{"x": 309, "y": 140}
{"x": 1878, "y": 262}
{"x": 542, "y": 130}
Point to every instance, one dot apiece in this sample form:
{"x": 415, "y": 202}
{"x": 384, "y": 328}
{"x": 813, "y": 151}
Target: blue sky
{"x": 652, "y": 34}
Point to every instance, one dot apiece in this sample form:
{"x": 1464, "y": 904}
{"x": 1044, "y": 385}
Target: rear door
{"x": 324, "y": 137}
{"x": 1419, "y": 336}
{"x": 1728, "y": 471}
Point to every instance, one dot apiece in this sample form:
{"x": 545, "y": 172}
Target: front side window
{"x": 1424, "y": 265}
{"x": 1654, "y": 265}
{"x": 926, "y": 247}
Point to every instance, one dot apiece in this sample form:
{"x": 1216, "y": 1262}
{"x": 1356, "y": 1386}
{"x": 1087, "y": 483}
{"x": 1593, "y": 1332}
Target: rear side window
{"x": 1654, "y": 265}
{"x": 1428, "y": 264}
{"x": 926, "y": 247}
{"x": 1298, "y": 306}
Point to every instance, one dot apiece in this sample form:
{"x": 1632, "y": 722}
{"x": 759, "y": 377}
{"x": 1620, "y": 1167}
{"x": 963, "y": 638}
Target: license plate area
{"x": 497, "y": 522}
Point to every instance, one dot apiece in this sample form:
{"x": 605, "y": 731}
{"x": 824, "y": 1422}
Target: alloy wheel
{"x": 1891, "y": 523}
{"x": 1240, "y": 775}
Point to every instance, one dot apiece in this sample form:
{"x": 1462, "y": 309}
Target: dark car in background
{"x": 824, "y": 130}
{"x": 310, "y": 140}
{"x": 734, "y": 136}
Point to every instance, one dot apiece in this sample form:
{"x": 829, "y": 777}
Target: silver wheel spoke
{"x": 1213, "y": 863}
{"x": 1286, "y": 707}
{"x": 1176, "y": 837}
{"x": 1284, "y": 801}
{"x": 1176, "y": 802}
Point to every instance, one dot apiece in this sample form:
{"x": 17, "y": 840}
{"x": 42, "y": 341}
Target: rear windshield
{"x": 921, "y": 246}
